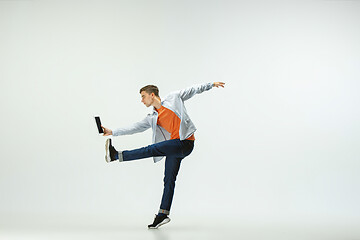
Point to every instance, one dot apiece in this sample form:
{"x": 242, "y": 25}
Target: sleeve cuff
{"x": 115, "y": 133}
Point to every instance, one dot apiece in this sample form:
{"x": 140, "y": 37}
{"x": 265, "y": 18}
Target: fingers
{"x": 105, "y": 132}
{"x": 220, "y": 84}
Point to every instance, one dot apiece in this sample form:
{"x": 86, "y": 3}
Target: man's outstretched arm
{"x": 135, "y": 128}
{"x": 188, "y": 93}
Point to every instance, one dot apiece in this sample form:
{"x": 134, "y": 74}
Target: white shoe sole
{"x": 107, "y": 151}
{"x": 165, "y": 221}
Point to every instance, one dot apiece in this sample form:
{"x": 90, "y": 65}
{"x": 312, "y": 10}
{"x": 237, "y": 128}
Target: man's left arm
{"x": 188, "y": 93}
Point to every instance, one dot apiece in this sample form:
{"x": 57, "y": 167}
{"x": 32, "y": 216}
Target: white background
{"x": 280, "y": 143}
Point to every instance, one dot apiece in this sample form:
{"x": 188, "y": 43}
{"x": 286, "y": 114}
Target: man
{"x": 173, "y": 137}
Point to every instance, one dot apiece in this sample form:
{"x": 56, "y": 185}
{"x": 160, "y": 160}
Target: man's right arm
{"x": 135, "y": 128}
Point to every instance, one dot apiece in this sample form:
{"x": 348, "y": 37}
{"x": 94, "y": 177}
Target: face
{"x": 146, "y": 98}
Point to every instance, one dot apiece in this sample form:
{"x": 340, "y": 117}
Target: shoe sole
{"x": 107, "y": 152}
{"x": 165, "y": 221}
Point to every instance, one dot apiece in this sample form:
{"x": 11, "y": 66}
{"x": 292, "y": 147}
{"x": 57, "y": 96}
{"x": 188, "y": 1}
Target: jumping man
{"x": 173, "y": 137}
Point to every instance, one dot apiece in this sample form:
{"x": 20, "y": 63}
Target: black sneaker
{"x": 110, "y": 151}
{"x": 158, "y": 221}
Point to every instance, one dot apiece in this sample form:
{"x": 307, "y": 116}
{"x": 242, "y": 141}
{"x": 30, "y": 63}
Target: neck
{"x": 157, "y": 103}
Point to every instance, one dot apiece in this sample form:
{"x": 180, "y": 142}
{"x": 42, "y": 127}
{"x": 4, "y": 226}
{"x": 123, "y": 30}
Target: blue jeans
{"x": 174, "y": 150}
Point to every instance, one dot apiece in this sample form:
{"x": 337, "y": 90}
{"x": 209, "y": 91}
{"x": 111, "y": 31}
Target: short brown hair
{"x": 150, "y": 89}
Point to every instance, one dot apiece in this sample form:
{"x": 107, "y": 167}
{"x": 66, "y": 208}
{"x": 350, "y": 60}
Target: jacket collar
{"x": 154, "y": 110}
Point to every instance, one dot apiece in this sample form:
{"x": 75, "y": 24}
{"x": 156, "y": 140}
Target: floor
{"x": 175, "y": 230}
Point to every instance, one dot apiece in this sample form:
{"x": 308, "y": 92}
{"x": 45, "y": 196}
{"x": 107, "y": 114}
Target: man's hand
{"x": 219, "y": 84}
{"x": 107, "y": 132}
